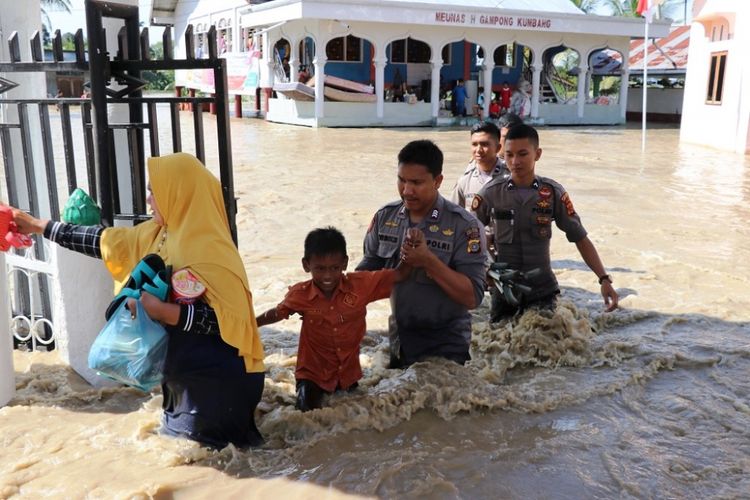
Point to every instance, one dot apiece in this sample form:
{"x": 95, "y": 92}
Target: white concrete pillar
{"x": 7, "y": 373}
{"x": 489, "y": 68}
{"x": 437, "y": 65}
{"x": 19, "y": 17}
{"x": 267, "y": 62}
{"x": 536, "y": 78}
{"x": 623, "y": 99}
{"x": 379, "y": 86}
{"x": 293, "y": 62}
{"x": 79, "y": 302}
{"x": 581, "y": 95}
{"x": 320, "y": 63}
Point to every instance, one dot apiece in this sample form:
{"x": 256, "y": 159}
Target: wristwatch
{"x": 605, "y": 277}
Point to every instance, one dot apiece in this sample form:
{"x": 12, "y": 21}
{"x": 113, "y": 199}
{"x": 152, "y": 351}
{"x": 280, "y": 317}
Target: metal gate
{"x": 112, "y": 81}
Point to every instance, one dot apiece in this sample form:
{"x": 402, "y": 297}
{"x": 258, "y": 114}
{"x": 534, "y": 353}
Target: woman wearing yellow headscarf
{"x": 213, "y": 376}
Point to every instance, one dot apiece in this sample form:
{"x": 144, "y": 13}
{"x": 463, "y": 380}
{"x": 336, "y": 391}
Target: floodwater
{"x": 651, "y": 401}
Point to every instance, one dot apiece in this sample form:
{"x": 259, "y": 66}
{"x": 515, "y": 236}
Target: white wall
{"x": 7, "y": 373}
{"x": 663, "y": 101}
{"x": 725, "y": 125}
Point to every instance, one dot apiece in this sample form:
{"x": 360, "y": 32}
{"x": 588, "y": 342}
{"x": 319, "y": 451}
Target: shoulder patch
{"x": 474, "y": 246}
{"x": 568, "y": 204}
{"x": 472, "y": 233}
{"x": 476, "y": 202}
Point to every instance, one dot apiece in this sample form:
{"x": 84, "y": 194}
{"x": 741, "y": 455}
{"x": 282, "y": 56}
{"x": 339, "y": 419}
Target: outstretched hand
{"x": 27, "y": 224}
{"x": 610, "y": 296}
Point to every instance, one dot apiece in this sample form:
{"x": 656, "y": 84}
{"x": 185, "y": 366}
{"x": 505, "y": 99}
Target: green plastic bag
{"x": 81, "y": 209}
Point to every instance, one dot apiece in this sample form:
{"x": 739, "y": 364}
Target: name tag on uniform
{"x": 502, "y": 214}
{"x": 441, "y": 245}
{"x": 388, "y": 238}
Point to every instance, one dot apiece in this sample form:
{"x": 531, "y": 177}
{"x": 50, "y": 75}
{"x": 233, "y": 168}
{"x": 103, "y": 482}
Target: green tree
{"x": 48, "y": 5}
{"x": 158, "y": 80}
{"x": 673, "y": 9}
{"x": 622, "y": 8}
{"x": 588, "y": 6}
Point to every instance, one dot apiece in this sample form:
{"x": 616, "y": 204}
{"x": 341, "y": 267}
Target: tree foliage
{"x": 48, "y": 5}
{"x": 158, "y": 80}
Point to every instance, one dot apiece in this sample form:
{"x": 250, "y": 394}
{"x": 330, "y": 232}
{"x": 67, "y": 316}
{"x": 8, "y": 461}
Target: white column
{"x": 437, "y": 64}
{"x": 19, "y": 17}
{"x": 7, "y": 373}
{"x": 581, "y": 96}
{"x": 266, "y": 77}
{"x": 293, "y": 62}
{"x": 379, "y": 86}
{"x": 489, "y": 67}
{"x": 536, "y": 78}
{"x": 320, "y": 63}
{"x": 623, "y": 101}
{"x": 78, "y": 322}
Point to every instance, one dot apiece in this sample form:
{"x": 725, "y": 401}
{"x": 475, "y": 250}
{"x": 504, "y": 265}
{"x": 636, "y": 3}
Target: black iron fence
{"x": 112, "y": 81}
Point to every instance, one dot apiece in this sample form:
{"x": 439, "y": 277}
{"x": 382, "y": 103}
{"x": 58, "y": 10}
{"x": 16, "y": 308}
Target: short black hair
{"x": 488, "y": 128}
{"x": 523, "y": 131}
{"x": 324, "y": 241}
{"x": 509, "y": 120}
{"x": 423, "y": 152}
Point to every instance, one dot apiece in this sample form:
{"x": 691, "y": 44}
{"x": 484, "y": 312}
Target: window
{"x": 348, "y": 49}
{"x": 408, "y": 50}
{"x": 199, "y": 40}
{"x": 716, "y": 78}
{"x": 446, "y": 54}
{"x": 505, "y": 55}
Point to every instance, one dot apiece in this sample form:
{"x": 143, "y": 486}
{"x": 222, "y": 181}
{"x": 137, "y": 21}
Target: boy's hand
{"x": 414, "y": 251}
{"x": 414, "y": 237}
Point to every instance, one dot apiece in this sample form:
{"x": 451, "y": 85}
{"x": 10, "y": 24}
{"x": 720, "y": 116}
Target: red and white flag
{"x": 647, "y": 8}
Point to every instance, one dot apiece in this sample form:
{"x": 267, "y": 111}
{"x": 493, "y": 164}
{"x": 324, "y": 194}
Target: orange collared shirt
{"x": 332, "y": 329}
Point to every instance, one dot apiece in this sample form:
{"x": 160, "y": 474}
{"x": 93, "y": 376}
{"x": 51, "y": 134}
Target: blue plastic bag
{"x": 130, "y": 350}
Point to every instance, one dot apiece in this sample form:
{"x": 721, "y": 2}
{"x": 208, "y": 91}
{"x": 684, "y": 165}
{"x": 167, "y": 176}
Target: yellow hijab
{"x": 195, "y": 235}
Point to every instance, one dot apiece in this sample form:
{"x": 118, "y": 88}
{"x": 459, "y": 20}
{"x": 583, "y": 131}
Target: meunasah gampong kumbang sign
{"x": 507, "y": 21}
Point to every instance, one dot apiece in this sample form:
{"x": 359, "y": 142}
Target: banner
{"x": 243, "y": 74}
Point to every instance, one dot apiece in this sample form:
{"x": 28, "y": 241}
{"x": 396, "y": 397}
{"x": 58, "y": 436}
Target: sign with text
{"x": 501, "y": 21}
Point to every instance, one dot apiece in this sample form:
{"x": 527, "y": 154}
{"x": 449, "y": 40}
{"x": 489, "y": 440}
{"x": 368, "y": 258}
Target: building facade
{"x": 421, "y": 48}
{"x": 716, "y": 105}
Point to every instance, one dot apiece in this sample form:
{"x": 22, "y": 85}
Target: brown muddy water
{"x": 651, "y": 401}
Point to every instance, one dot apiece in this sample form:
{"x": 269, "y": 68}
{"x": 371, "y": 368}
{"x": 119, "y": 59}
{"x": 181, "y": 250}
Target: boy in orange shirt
{"x": 333, "y": 306}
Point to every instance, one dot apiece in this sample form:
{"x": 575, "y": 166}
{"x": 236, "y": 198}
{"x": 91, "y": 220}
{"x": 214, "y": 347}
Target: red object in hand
{"x": 9, "y": 235}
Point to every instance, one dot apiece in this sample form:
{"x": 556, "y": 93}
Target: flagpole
{"x": 645, "y": 84}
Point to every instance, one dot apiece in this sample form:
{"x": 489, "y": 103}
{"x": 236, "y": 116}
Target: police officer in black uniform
{"x": 521, "y": 210}
{"x": 430, "y": 310}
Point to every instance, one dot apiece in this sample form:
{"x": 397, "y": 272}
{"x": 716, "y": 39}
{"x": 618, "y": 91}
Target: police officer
{"x": 430, "y": 310}
{"x": 521, "y": 210}
{"x": 484, "y": 165}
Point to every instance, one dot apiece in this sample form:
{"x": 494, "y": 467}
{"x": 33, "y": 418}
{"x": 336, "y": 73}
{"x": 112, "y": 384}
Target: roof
{"x": 557, "y": 6}
{"x": 162, "y": 12}
{"x": 666, "y": 55}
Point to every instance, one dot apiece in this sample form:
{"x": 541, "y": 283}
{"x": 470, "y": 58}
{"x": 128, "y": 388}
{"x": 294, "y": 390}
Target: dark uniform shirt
{"x": 425, "y": 321}
{"x": 522, "y": 222}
